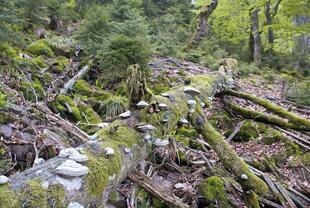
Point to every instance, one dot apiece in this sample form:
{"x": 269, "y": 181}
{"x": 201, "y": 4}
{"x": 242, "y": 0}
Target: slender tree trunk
{"x": 256, "y": 50}
{"x": 202, "y": 27}
{"x": 54, "y": 22}
{"x": 269, "y": 23}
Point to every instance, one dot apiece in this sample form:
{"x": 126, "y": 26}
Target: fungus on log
{"x": 106, "y": 172}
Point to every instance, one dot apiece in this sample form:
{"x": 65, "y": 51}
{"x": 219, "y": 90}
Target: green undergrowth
{"x": 8, "y": 197}
{"x": 32, "y": 90}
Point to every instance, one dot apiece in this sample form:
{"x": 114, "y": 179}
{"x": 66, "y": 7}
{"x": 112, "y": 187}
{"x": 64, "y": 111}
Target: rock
{"x": 160, "y": 142}
{"x": 162, "y": 106}
{"x": 70, "y": 168}
{"x": 202, "y": 104}
{"x": 191, "y": 91}
{"x": 93, "y": 137}
{"x": 72, "y": 154}
{"x": 183, "y": 121}
{"x": 142, "y": 104}
{"x": 147, "y": 129}
{"x": 109, "y": 151}
{"x": 103, "y": 125}
{"x": 126, "y": 114}
{"x": 4, "y": 179}
{"x": 244, "y": 177}
{"x": 6, "y": 131}
{"x": 75, "y": 205}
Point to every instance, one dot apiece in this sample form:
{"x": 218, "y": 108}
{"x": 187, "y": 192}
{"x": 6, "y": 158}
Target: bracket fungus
{"x": 126, "y": 114}
{"x": 191, "y": 104}
{"x": 142, "y": 104}
{"x": 183, "y": 121}
{"x": 4, "y": 179}
{"x": 72, "y": 154}
{"x": 191, "y": 91}
{"x": 71, "y": 169}
{"x": 162, "y": 106}
{"x": 147, "y": 129}
{"x": 160, "y": 142}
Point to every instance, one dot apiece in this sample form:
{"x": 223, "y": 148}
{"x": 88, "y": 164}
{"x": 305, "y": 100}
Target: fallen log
{"x": 146, "y": 183}
{"x": 106, "y": 171}
{"x": 271, "y": 107}
{"x": 259, "y": 116}
{"x": 248, "y": 181}
{"x": 72, "y": 81}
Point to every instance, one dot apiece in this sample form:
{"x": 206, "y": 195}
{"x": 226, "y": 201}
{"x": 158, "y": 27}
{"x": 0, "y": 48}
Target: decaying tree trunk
{"x": 255, "y": 39}
{"x": 105, "y": 172}
{"x": 54, "y": 22}
{"x": 202, "y": 27}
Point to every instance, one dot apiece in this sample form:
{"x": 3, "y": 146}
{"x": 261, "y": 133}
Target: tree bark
{"x": 54, "y": 22}
{"x": 269, "y": 22}
{"x": 202, "y": 27}
{"x": 255, "y": 39}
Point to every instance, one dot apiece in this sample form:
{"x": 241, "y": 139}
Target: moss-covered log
{"x": 293, "y": 118}
{"x": 227, "y": 155}
{"x": 259, "y": 116}
{"x": 106, "y": 172}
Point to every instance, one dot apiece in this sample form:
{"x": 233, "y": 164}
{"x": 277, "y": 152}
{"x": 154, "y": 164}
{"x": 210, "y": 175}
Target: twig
{"x": 236, "y": 130}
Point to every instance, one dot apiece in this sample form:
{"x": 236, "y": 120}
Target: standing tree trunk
{"x": 202, "y": 27}
{"x": 269, "y": 23}
{"x": 255, "y": 40}
{"x": 54, "y": 22}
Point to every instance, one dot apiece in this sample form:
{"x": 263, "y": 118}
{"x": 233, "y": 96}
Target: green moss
{"x": 101, "y": 169}
{"x": 120, "y": 134}
{"x": 113, "y": 106}
{"x": 40, "y": 48}
{"x": 251, "y": 200}
{"x": 8, "y": 198}
{"x": 157, "y": 203}
{"x": 247, "y": 132}
{"x": 59, "y": 64}
{"x": 61, "y": 105}
{"x": 182, "y": 157}
{"x": 3, "y": 99}
{"x": 195, "y": 145}
{"x": 40, "y": 62}
{"x": 212, "y": 189}
{"x": 292, "y": 148}
{"x": 82, "y": 87}
{"x": 34, "y": 195}
{"x": 142, "y": 197}
{"x": 183, "y": 140}
{"x": 306, "y": 159}
{"x": 187, "y": 132}
{"x": 56, "y": 195}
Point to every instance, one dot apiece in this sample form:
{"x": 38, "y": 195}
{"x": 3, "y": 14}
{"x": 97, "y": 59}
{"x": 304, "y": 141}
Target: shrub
{"x": 299, "y": 93}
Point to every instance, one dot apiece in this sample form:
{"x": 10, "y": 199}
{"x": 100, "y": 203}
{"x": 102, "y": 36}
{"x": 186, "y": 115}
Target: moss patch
{"x": 2, "y": 99}
{"x": 247, "y": 132}
{"x": 34, "y": 195}
{"x": 40, "y": 48}
{"x": 32, "y": 90}
{"x": 212, "y": 189}
{"x": 8, "y": 198}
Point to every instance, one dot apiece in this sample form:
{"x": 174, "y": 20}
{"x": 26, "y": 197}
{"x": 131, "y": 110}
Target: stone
{"x": 142, "y": 104}
{"x": 160, "y": 142}
{"x": 6, "y": 131}
{"x": 4, "y": 179}
{"x": 126, "y": 114}
{"x": 93, "y": 137}
{"x": 127, "y": 150}
{"x": 75, "y": 205}
{"x": 191, "y": 102}
{"x": 109, "y": 151}
{"x": 191, "y": 91}
{"x": 72, "y": 154}
{"x": 70, "y": 168}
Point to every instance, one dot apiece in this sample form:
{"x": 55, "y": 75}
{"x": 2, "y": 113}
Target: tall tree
{"x": 202, "y": 26}
{"x": 270, "y": 14}
{"x": 255, "y": 39}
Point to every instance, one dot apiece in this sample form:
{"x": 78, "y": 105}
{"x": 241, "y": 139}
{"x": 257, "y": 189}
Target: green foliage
{"x": 34, "y": 195}
{"x": 8, "y": 198}
{"x": 114, "y": 106}
{"x": 40, "y": 48}
{"x": 3, "y": 99}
